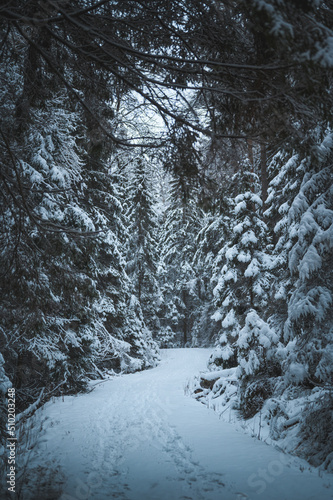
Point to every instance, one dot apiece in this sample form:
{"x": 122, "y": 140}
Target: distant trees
{"x": 177, "y": 274}
{"x": 142, "y": 245}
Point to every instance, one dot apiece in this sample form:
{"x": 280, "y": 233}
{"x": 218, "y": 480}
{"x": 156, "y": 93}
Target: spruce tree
{"x": 210, "y": 239}
{"x": 241, "y": 283}
{"x": 303, "y": 256}
{"x": 178, "y": 283}
{"x": 142, "y": 245}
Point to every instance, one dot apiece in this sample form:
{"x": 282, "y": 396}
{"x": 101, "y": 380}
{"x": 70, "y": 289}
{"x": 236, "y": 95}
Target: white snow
{"x": 296, "y": 373}
{"x": 231, "y": 252}
{"x": 140, "y": 437}
{"x": 229, "y": 319}
{"x": 217, "y": 316}
{"x": 240, "y": 207}
{"x": 244, "y": 256}
{"x": 252, "y": 269}
{"x": 325, "y": 53}
{"x": 249, "y": 237}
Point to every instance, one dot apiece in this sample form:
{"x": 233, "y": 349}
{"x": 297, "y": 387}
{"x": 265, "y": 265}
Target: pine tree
{"x": 256, "y": 347}
{"x": 241, "y": 279}
{"x": 67, "y": 300}
{"x": 47, "y": 293}
{"x": 209, "y": 241}
{"x": 122, "y": 339}
{"x": 142, "y": 246}
{"x": 284, "y": 172}
{"x": 306, "y": 242}
{"x": 177, "y": 276}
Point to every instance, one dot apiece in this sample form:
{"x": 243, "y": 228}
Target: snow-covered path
{"x": 138, "y": 437}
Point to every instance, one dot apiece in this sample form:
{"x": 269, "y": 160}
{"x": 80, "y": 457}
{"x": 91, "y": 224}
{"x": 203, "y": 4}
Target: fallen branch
{"x": 31, "y": 409}
{"x": 292, "y": 421}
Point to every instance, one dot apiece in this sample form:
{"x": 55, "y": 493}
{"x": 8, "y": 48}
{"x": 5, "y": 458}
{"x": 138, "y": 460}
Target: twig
{"x": 31, "y": 409}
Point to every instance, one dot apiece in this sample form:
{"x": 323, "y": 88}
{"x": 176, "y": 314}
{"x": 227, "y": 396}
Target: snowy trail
{"x": 138, "y": 437}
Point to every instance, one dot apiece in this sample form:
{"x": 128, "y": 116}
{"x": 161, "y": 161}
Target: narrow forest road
{"x": 138, "y": 437}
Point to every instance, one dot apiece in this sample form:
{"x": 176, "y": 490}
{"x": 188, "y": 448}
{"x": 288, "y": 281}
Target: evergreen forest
{"x": 166, "y": 181}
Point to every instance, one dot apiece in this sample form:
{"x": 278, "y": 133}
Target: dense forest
{"x": 166, "y": 180}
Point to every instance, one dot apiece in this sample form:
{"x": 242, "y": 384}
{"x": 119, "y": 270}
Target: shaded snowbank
{"x": 296, "y": 420}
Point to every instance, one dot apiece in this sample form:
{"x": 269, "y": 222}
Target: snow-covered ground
{"x": 139, "y": 437}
